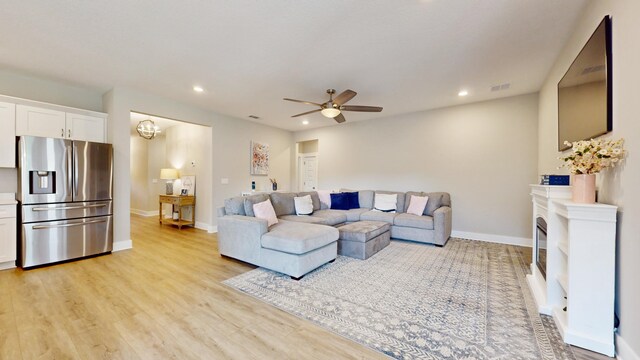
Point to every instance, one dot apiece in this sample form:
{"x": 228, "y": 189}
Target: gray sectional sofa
{"x": 297, "y": 245}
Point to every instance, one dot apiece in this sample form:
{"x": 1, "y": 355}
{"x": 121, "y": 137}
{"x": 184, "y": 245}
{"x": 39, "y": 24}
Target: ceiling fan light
{"x": 330, "y": 112}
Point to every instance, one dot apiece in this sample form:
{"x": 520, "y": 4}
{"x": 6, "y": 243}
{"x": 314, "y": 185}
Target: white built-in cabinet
{"x": 7, "y": 231}
{"x": 7, "y": 134}
{"x": 44, "y": 122}
{"x": 579, "y": 289}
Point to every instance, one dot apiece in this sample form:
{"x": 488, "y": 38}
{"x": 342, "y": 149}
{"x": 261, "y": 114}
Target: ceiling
{"x": 405, "y": 56}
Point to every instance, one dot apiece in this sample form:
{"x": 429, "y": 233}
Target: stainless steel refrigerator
{"x": 65, "y": 192}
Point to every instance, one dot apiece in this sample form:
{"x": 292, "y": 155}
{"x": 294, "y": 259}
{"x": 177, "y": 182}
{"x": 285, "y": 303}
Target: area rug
{"x": 467, "y": 300}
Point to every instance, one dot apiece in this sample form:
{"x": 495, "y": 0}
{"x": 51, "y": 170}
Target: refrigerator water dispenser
{"x": 42, "y": 182}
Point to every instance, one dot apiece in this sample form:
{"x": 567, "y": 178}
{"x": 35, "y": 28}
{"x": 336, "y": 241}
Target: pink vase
{"x": 583, "y": 188}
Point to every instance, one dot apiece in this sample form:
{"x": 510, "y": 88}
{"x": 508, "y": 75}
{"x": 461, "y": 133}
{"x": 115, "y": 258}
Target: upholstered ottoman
{"x": 363, "y": 239}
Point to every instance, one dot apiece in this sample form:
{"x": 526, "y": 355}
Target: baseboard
{"x": 206, "y": 227}
{"x": 122, "y": 245}
{"x": 500, "y": 239}
{"x": 7, "y": 265}
{"x": 624, "y": 351}
{"x": 144, "y": 213}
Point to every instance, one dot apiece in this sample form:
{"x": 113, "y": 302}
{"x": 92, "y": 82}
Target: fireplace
{"x": 541, "y": 246}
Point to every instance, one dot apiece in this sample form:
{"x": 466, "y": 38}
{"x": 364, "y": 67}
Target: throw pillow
{"x": 417, "y": 205}
{"x": 325, "y": 199}
{"x": 253, "y": 199}
{"x": 353, "y": 200}
{"x": 304, "y": 205}
{"x": 340, "y": 201}
{"x": 385, "y": 202}
{"x": 264, "y": 210}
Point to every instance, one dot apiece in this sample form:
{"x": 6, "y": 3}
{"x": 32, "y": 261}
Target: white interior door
{"x": 308, "y": 176}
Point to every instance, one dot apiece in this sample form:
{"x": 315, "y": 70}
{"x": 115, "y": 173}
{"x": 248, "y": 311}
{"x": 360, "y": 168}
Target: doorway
{"x": 181, "y": 148}
{"x": 307, "y": 165}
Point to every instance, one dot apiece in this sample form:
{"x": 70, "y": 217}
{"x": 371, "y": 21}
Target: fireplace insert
{"x": 541, "y": 246}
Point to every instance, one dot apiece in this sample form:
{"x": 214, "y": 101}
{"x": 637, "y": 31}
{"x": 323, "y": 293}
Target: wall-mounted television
{"x": 584, "y": 92}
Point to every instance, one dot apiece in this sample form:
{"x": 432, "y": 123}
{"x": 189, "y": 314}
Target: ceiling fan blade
{"x": 308, "y": 112}
{"x": 361, "y": 108}
{"x": 340, "y": 119}
{"x": 344, "y": 97}
{"x": 302, "y": 101}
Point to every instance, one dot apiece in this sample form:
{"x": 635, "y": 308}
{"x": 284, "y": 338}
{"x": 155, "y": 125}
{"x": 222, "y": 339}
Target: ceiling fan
{"x": 334, "y": 107}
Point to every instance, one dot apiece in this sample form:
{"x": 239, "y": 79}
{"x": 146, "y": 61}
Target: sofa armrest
{"x": 442, "y": 224}
{"x": 239, "y": 237}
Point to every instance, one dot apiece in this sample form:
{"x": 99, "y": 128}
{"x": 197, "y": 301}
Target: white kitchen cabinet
{"x": 7, "y": 135}
{"x": 85, "y": 127}
{"x": 8, "y": 238}
{"x": 36, "y": 121}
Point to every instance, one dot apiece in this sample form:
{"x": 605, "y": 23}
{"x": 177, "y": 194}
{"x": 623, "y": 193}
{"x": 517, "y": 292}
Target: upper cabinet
{"x": 41, "y": 122}
{"x": 7, "y": 135}
{"x": 85, "y": 127}
{"x": 36, "y": 121}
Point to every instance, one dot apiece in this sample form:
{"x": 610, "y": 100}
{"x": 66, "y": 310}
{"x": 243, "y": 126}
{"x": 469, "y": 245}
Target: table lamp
{"x": 170, "y": 175}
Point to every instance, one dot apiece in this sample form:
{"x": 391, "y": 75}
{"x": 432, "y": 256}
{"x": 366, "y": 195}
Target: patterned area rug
{"x": 467, "y": 300}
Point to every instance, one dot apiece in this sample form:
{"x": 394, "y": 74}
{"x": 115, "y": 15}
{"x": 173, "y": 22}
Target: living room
{"x": 484, "y": 151}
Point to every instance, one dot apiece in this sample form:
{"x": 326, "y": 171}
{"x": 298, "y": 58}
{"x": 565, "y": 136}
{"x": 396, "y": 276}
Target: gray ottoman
{"x": 363, "y": 239}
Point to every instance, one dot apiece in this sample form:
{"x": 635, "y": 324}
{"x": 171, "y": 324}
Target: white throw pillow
{"x": 417, "y": 205}
{"x": 325, "y": 198}
{"x": 385, "y": 202}
{"x": 304, "y": 205}
{"x": 264, "y": 210}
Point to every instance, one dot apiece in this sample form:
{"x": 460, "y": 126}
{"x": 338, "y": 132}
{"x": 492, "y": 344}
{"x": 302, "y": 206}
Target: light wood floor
{"x": 162, "y": 299}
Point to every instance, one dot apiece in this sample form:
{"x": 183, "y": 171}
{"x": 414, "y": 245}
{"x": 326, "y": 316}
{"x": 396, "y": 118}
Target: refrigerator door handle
{"x": 68, "y": 207}
{"x": 69, "y": 155}
{"x": 41, "y": 227}
{"x": 75, "y": 171}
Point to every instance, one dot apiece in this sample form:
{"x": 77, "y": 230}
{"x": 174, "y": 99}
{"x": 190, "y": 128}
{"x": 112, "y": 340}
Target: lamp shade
{"x": 168, "y": 174}
{"x": 330, "y": 112}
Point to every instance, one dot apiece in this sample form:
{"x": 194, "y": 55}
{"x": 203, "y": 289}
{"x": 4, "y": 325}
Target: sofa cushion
{"x": 417, "y": 204}
{"x": 253, "y": 199}
{"x": 298, "y": 238}
{"x": 315, "y": 198}
{"x": 283, "y": 203}
{"x": 340, "y": 201}
{"x": 304, "y": 219}
{"x": 400, "y": 201}
{"x": 373, "y": 215}
{"x": 365, "y": 197}
{"x": 385, "y": 202}
{"x": 325, "y": 199}
{"x": 264, "y": 210}
{"x": 436, "y": 200}
{"x": 234, "y": 206}
{"x": 415, "y": 221}
{"x": 407, "y": 197}
{"x": 354, "y": 214}
{"x": 303, "y": 205}
{"x": 353, "y": 200}
{"x": 363, "y": 231}
{"x": 331, "y": 217}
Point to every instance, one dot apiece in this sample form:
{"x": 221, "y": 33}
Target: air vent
{"x": 254, "y": 117}
{"x": 500, "y": 87}
{"x": 592, "y": 69}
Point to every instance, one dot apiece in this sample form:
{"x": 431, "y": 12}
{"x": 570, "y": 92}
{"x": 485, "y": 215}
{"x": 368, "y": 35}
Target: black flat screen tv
{"x": 584, "y": 93}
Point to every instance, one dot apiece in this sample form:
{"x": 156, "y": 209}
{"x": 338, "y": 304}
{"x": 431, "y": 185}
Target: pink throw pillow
{"x": 417, "y": 205}
{"x": 264, "y": 210}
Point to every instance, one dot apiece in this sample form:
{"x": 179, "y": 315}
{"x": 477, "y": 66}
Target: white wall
{"x": 40, "y": 89}
{"x": 139, "y": 173}
{"x": 619, "y": 187}
{"x": 229, "y": 155}
{"x": 484, "y": 154}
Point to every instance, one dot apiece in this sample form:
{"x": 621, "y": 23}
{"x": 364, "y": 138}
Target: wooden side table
{"x": 179, "y": 201}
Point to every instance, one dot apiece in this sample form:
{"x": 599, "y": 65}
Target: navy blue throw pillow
{"x": 340, "y": 201}
{"x": 354, "y": 203}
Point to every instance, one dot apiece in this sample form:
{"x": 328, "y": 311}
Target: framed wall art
{"x": 259, "y": 158}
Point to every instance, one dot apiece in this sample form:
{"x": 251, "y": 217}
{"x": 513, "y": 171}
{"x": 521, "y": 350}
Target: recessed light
{"x": 305, "y": 122}
{"x": 463, "y": 93}
{"x": 198, "y": 89}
